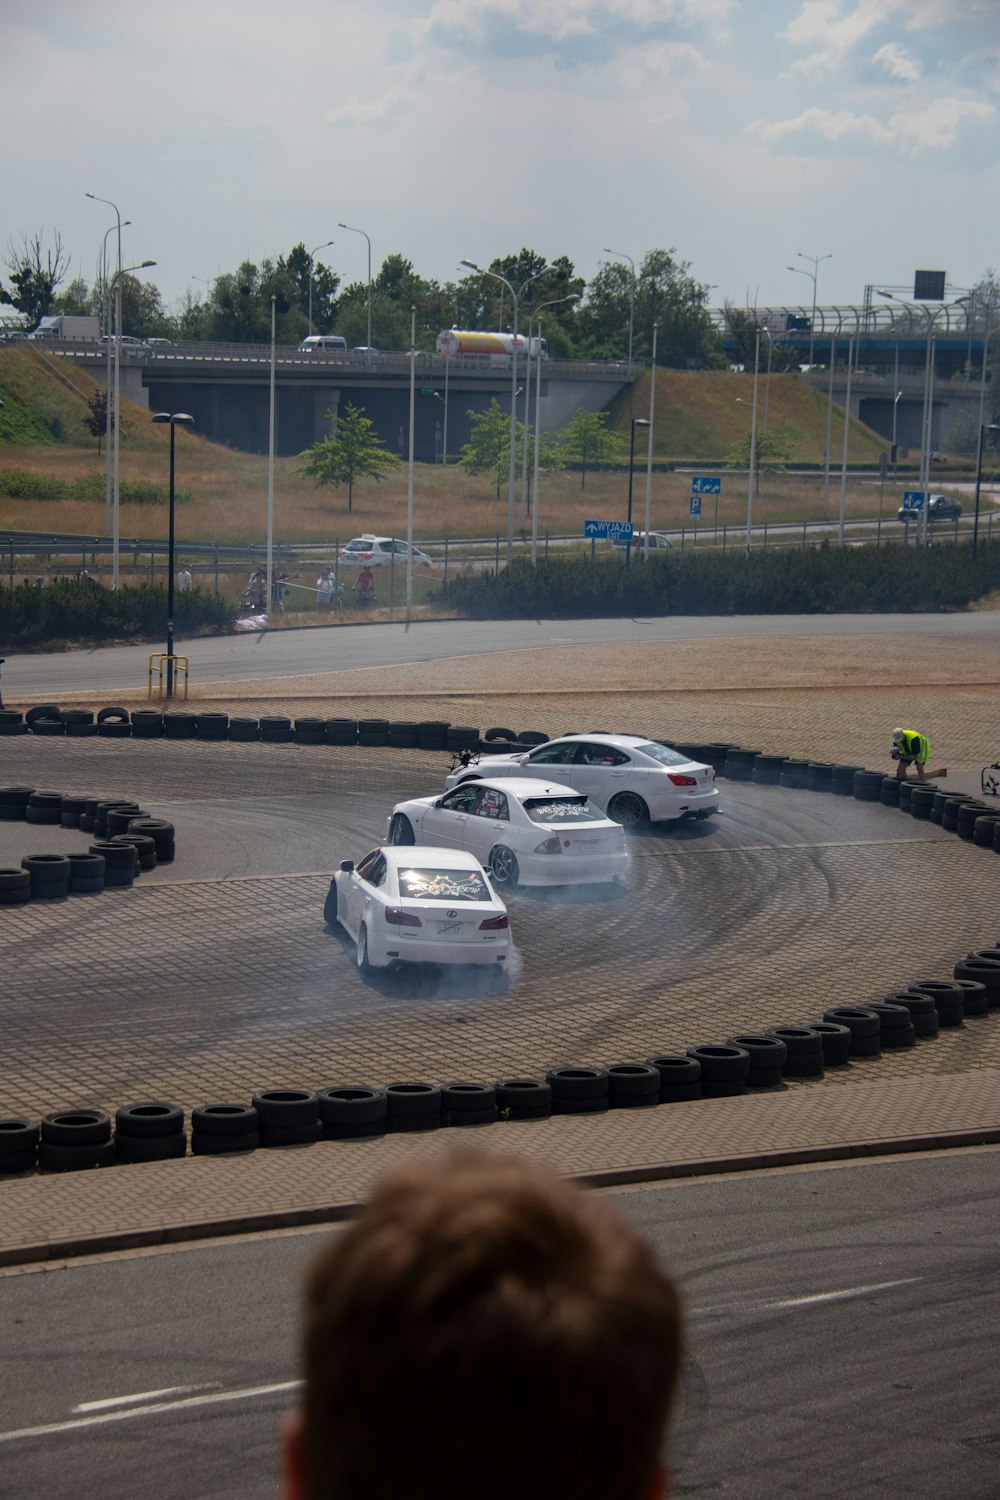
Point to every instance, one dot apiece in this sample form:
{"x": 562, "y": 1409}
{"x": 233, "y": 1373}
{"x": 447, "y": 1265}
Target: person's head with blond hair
{"x": 484, "y": 1326}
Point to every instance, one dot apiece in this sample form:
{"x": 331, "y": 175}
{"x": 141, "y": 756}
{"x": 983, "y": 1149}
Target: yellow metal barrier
{"x": 180, "y": 664}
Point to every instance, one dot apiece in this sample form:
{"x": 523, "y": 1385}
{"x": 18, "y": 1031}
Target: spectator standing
{"x": 184, "y": 579}
{"x": 483, "y": 1319}
{"x": 257, "y": 589}
{"x": 324, "y": 588}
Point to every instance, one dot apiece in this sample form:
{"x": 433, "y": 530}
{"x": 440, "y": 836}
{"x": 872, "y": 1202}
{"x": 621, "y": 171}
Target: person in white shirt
{"x": 184, "y": 579}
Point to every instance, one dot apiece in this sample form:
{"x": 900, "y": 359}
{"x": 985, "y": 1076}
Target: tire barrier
{"x": 867, "y": 785}
{"x": 12, "y": 722}
{"x": 767, "y": 769}
{"x": 578, "y": 1091}
{"x": 81, "y": 1138}
{"x": 794, "y": 773}
{"x": 842, "y": 780}
{"x": 740, "y": 764}
{"x": 374, "y": 732}
{"x": 889, "y": 795}
{"x": 126, "y": 841}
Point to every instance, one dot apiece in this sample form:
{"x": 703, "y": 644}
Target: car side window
{"x": 492, "y": 804}
{"x": 372, "y": 868}
{"x": 462, "y": 799}
{"x": 592, "y": 754}
{"x": 553, "y": 754}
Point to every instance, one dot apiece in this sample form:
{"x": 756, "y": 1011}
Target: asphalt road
{"x": 842, "y": 1338}
{"x": 279, "y": 653}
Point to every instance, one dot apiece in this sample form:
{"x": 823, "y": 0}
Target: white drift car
{"x": 424, "y": 906}
{"x": 535, "y": 832}
{"x": 628, "y": 777}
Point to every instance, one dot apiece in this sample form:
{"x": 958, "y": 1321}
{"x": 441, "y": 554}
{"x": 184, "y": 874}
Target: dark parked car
{"x": 939, "y": 508}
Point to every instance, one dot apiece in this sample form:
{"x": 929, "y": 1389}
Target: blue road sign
{"x": 696, "y": 505}
{"x": 913, "y": 499}
{"x": 705, "y": 484}
{"x": 614, "y": 529}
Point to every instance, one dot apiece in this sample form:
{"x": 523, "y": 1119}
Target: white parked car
{"x": 630, "y": 778}
{"x": 657, "y": 542}
{"x": 424, "y": 906}
{"x": 381, "y": 552}
{"x": 527, "y": 831}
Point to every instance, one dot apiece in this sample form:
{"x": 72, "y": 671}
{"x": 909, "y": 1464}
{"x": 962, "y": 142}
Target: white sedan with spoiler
{"x": 423, "y": 906}
{"x": 630, "y": 778}
{"x": 527, "y": 831}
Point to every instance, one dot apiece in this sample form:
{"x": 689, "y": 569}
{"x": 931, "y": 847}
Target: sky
{"x": 746, "y": 135}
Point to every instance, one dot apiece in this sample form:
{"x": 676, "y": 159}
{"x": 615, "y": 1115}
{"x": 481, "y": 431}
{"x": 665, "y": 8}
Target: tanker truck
{"x": 494, "y": 346}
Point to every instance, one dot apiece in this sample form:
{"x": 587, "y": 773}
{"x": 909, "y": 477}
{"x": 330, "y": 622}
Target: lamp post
{"x": 515, "y": 297}
{"x": 983, "y": 430}
{"x": 351, "y": 230}
{"x": 553, "y": 302}
{"x": 107, "y": 376}
{"x": 927, "y": 420}
{"x": 753, "y": 439}
{"x": 116, "y": 290}
{"x": 631, "y": 300}
{"x": 173, "y": 417}
{"x": 895, "y": 408}
{"x": 636, "y": 422}
{"x": 270, "y": 459}
{"x": 817, "y": 261}
{"x": 649, "y": 445}
{"x": 311, "y": 256}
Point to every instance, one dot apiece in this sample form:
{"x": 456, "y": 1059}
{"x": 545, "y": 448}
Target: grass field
{"x": 699, "y": 417}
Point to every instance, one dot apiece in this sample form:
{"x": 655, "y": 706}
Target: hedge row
{"x": 22, "y": 484}
{"x": 69, "y": 610}
{"x": 811, "y": 580}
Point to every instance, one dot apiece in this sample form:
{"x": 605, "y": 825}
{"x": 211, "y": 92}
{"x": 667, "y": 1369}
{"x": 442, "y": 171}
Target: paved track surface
{"x": 215, "y": 977}
{"x": 842, "y": 1327}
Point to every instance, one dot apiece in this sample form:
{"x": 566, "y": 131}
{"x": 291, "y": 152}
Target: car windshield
{"x": 427, "y": 883}
{"x": 663, "y": 755}
{"x": 562, "y": 810}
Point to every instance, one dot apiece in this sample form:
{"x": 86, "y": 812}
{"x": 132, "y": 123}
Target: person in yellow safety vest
{"x": 910, "y": 747}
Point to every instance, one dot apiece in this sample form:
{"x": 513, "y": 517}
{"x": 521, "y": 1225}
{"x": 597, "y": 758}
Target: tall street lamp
{"x": 515, "y": 298}
{"x": 631, "y": 300}
{"x": 753, "y": 439}
{"x": 173, "y": 417}
{"x": 107, "y": 378}
{"x": 350, "y": 228}
{"x": 553, "y": 302}
{"x": 649, "y": 445}
{"x": 927, "y": 421}
{"x": 636, "y": 422}
{"x": 817, "y": 261}
{"x": 116, "y": 291}
{"x": 983, "y": 430}
{"x": 312, "y": 254}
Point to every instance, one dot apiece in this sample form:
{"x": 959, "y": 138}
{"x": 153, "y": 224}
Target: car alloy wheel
{"x": 401, "y": 830}
{"x": 503, "y": 866}
{"x": 628, "y": 809}
{"x": 362, "y": 960}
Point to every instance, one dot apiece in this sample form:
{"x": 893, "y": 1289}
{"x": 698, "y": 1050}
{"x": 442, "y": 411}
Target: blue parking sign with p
{"x": 696, "y": 505}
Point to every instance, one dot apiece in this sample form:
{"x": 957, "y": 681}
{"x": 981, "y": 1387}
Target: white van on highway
{"x": 323, "y": 343}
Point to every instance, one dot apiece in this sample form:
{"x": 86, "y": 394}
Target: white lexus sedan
{"x": 419, "y": 906}
{"x": 630, "y": 778}
{"x": 522, "y": 830}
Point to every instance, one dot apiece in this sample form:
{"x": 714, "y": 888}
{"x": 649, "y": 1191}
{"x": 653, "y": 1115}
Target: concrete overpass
{"x": 226, "y": 388}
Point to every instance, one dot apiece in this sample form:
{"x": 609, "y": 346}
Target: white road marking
{"x": 123, "y": 1415}
{"x": 170, "y": 1390}
{"x": 816, "y": 1299}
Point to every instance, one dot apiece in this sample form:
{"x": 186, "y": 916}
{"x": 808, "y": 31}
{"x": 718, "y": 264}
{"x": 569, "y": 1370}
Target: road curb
{"x": 72, "y": 1247}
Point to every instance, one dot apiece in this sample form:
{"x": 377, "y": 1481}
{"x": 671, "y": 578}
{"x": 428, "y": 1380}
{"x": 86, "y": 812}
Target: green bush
{"x": 21, "y": 484}
{"x": 68, "y": 610}
{"x": 814, "y": 580}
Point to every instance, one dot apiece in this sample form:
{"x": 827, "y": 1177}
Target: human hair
{"x": 483, "y": 1323}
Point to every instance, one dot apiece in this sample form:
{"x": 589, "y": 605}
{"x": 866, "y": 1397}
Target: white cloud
{"x": 935, "y": 126}
{"x": 831, "y": 124}
{"x": 822, "y": 26}
{"x": 897, "y": 62}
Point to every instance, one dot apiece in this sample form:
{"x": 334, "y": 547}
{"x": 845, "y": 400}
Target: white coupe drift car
{"x": 523, "y": 830}
{"x": 419, "y": 906}
{"x": 630, "y": 778}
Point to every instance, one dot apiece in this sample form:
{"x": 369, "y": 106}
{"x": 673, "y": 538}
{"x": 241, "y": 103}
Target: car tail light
{"x": 396, "y": 917}
{"x": 494, "y": 924}
{"x": 547, "y": 846}
{"x": 679, "y": 780}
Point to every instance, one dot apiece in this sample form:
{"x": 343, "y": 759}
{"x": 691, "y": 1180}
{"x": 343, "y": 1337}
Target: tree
{"x": 352, "y": 451}
{"x": 488, "y": 448}
{"x": 34, "y": 276}
{"x": 770, "y": 451}
{"x": 665, "y": 294}
{"x": 324, "y": 286}
{"x": 96, "y": 420}
{"x": 587, "y": 441}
